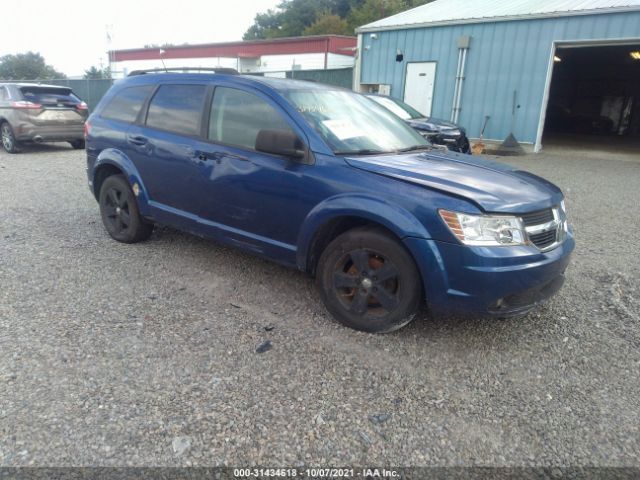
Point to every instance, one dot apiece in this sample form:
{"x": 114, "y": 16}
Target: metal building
{"x": 537, "y": 68}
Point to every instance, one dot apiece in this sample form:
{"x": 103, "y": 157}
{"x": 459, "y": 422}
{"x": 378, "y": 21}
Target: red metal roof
{"x": 338, "y": 44}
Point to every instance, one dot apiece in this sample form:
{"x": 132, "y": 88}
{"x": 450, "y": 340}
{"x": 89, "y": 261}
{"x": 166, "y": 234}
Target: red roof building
{"x": 268, "y": 56}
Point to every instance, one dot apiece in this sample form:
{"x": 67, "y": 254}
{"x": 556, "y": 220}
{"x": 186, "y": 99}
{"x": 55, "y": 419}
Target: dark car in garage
{"x": 437, "y": 131}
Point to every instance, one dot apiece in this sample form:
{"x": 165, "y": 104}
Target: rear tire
{"x": 77, "y": 144}
{"x": 119, "y": 210}
{"x": 9, "y": 142}
{"x": 368, "y": 281}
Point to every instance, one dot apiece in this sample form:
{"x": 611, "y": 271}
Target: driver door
{"x": 260, "y": 199}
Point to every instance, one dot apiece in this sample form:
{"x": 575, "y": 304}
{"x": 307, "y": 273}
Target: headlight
{"x": 485, "y": 230}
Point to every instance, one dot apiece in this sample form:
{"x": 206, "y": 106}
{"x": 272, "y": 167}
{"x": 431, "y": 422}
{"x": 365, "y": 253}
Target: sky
{"x": 72, "y": 34}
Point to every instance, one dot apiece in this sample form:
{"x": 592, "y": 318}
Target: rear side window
{"x": 126, "y": 104}
{"x": 3, "y": 93}
{"x": 49, "y": 96}
{"x": 177, "y": 108}
{"x": 237, "y": 117}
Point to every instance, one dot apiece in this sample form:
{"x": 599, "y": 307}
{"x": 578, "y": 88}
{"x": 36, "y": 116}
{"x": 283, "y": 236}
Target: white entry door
{"x": 418, "y": 86}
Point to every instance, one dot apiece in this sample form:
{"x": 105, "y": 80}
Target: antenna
{"x": 162, "y": 52}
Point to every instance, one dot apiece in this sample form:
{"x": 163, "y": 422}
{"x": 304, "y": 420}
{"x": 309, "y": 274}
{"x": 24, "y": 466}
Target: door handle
{"x": 202, "y": 157}
{"x": 137, "y": 140}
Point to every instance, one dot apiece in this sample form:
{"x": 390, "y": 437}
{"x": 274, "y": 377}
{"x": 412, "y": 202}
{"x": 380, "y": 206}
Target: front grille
{"x": 544, "y": 227}
{"x": 537, "y": 218}
{"x": 544, "y": 239}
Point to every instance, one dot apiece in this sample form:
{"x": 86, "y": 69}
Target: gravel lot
{"x": 146, "y": 354}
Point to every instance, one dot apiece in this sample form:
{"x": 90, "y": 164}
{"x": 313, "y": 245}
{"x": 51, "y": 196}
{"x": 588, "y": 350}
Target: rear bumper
{"x": 496, "y": 281}
{"x": 56, "y": 133}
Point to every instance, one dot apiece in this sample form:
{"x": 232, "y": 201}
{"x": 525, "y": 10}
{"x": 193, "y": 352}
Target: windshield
{"x": 352, "y": 124}
{"x": 401, "y": 109}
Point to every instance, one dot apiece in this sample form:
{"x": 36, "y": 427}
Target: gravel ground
{"x": 145, "y": 354}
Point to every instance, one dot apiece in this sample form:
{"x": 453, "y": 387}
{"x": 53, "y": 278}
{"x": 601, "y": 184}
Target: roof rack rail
{"x": 223, "y": 70}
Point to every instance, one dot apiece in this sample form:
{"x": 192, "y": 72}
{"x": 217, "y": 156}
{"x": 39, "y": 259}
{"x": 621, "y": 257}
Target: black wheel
{"x": 9, "y": 142}
{"x": 368, "y": 281}
{"x": 77, "y": 144}
{"x": 119, "y": 211}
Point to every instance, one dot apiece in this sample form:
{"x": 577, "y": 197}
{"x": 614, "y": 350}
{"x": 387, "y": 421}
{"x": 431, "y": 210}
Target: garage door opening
{"x": 594, "y": 98}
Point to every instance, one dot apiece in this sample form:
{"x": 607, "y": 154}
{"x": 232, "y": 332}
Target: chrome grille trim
{"x": 545, "y": 235}
{"x": 538, "y": 217}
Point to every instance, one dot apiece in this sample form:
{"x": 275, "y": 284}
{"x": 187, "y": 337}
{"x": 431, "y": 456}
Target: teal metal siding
{"x": 503, "y": 57}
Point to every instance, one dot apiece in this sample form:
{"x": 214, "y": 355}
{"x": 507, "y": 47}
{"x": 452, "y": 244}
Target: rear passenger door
{"x": 163, "y": 147}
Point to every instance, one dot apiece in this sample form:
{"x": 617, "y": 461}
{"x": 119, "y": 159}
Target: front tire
{"x": 119, "y": 211}
{"x": 9, "y": 142}
{"x": 368, "y": 281}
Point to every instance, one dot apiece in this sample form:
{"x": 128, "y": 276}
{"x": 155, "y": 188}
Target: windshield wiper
{"x": 413, "y": 148}
{"x": 362, "y": 151}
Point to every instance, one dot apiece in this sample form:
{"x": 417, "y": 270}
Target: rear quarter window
{"x": 126, "y": 104}
{"x": 177, "y": 108}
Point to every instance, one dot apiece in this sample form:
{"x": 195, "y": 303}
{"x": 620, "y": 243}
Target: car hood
{"x": 493, "y": 186}
{"x": 431, "y": 124}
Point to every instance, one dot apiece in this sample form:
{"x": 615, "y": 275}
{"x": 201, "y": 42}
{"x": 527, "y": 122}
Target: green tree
{"x": 292, "y": 18}
{"x": 372, "y": 10}
{"x": 95, "y": 73}
{"x": 265, "y": 25}
{"x": 328, "y": 23}
{"x": 27, "y": 66}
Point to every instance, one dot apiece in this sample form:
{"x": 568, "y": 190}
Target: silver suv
{"x": 40, "y": 113}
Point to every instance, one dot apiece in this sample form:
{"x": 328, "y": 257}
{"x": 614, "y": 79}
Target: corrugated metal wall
{"x": 504, "y": 56}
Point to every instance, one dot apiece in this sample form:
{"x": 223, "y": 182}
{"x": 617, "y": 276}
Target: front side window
{"x": 177, "y": 108}
{"x": 237, "y": 117}
{"x": 350, "y": 123}
{"x": 126, "y": 104}
{"x": 3, "y": 93}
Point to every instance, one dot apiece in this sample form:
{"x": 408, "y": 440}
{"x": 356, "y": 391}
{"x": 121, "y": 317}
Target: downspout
{"x": 326, "y": 53}
{"x": 456, "y": 88}
{"x": 463, "y": 47}
{"x": 358, "y": 65}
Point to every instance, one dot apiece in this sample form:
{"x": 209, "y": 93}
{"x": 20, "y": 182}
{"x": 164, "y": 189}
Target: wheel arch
{"x": 114, "y": 162}
{"x": 340, "y": 214}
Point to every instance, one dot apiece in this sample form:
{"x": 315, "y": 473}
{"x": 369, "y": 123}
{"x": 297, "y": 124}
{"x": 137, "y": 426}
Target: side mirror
{"x": 280, "y": 142}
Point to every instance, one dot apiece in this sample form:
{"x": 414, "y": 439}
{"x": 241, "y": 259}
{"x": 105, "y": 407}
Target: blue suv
{"x": 324, "y": 180}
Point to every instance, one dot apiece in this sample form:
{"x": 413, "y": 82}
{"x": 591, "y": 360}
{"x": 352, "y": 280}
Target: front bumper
{"x": 455, "y": 143}
{"x": 496, "y": 281}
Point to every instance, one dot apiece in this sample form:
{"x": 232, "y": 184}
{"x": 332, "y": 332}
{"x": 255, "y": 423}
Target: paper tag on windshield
{"x": 343, "y": 129}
